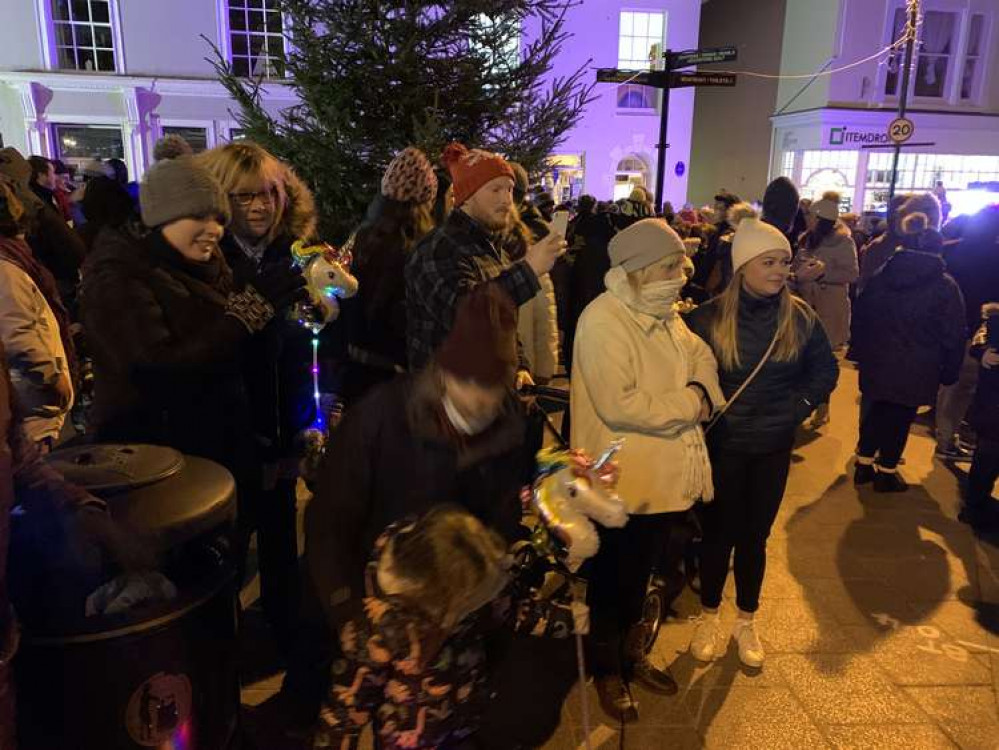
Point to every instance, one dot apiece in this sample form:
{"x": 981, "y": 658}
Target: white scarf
{"x": 658, "y": 300}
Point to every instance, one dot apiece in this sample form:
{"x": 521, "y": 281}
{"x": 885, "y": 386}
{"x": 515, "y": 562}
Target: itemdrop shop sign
{"x": 850, "y": 137}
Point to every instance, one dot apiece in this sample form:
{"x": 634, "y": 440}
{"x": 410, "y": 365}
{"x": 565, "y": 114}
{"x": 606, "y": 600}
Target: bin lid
{"x": 197, "y": 499}
{"x": 110, "y": 468}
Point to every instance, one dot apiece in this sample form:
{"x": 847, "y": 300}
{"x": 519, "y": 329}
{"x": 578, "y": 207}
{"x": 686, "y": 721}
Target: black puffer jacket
{"x": 166, "y": 356}
{"x": 783, "y": 394}
{"x": 985, "y": 410}
{"x": 908, "y": 330}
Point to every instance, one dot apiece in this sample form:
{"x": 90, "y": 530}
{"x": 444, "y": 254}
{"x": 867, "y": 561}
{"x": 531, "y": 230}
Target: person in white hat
{"x": 640, "y": 374}
{"x": 775, "y": 365}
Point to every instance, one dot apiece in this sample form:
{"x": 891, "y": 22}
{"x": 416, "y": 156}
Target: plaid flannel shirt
{"x": 446, "y": 265}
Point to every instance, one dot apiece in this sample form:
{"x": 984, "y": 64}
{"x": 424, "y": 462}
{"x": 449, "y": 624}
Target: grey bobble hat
{"x": 643, "y": 243}
{"x": 180, "y": 189}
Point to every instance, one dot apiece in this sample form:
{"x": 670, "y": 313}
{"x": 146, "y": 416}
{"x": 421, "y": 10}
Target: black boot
{"x": 863, "y": 474}
{"x": 615, "y": 699}
{"x": 643, "y": 671}
{"x": 889, "y": 481}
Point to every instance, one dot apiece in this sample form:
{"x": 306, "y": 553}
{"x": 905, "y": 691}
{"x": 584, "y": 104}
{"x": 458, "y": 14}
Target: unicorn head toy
{"x": 328, "y": 280}
{"x": 571, "y": 491}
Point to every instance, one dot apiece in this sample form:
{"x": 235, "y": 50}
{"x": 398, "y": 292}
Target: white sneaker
{"x": 750, "y": 649}
{"x": 704, "y": 643}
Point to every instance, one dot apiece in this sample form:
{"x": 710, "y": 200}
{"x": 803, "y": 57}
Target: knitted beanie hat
{"x": 482, "y": 346}
{"x": 643, "y": 243}
{"x": 410, "y": 178}
{"x": 180, "y": 189}
{"x": 826, "y": 208}
{"x": 753, "y": 238}
{"x": 471, "y": 169}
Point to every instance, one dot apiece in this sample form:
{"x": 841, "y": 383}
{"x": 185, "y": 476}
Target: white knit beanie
{"x": 753, "y": 238}
{"x": 644, "y": 243}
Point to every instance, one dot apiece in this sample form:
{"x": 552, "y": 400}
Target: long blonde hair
{"x": 791, "y": 335}
{"x": 295, "y": 212}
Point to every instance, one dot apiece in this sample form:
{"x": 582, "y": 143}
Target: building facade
{"x": 732, "y": 153}
{"x": 613, "y": 148}
{"x": 833, "y": 132}
{"x": 106, "y": 78}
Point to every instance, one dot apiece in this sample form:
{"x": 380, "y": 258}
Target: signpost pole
{"x": 663, "y": 125}
{"x": 903, "y": 99}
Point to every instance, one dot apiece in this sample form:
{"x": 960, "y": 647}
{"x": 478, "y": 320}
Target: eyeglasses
{"x": 245, "y": 200}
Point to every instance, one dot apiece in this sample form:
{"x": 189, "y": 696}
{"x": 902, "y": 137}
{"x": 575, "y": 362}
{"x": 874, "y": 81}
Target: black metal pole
{"x": 663, "y": 125}
{"x": 903, "y": 99}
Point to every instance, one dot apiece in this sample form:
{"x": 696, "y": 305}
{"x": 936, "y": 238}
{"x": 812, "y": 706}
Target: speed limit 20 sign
{"x": 901, "y": 130}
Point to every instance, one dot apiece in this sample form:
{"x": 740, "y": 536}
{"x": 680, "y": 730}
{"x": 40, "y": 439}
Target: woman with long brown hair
{"x": 399, "y": 217}
{"x": 775, "y": 366}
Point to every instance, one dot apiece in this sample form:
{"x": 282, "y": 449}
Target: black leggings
{"x": 884, "y": 430}
{"x": 618, "y": 578}
{"x": 748, "y": 492}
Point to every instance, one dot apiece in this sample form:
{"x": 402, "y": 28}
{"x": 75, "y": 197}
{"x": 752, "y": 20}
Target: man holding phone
{"x": 462, "y": 254}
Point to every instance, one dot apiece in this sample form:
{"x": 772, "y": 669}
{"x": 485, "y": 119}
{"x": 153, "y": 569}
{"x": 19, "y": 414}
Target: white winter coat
{"x": 35, "y": 354}
{"x": 630, "y": 380}
{"x": 537, "y": 328}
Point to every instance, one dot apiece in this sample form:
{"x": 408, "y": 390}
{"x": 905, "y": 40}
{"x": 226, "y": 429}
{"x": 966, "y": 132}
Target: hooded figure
{"x": 908, "y": 339}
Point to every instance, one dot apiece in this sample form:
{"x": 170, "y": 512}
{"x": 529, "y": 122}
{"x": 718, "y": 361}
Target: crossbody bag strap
{"x": 745, "y": 383}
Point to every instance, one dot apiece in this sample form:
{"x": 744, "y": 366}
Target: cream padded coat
{"x": 630, "y": 381}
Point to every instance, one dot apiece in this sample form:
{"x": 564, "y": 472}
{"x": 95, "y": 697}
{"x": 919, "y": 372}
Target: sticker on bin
{"x": 159, "y": 711}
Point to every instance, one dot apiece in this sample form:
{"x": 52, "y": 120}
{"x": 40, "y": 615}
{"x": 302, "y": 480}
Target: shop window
{"x": 787, "y": 164}
{"x": 83, "y": 35}
{"x": 76, "y": 144}
{"x": 828, "y": 170}
{"x": 196, "y": 137}
{"x": 921, "y": 172}
{"x": 256, "y": 38}
{"x": 638, "y": 33}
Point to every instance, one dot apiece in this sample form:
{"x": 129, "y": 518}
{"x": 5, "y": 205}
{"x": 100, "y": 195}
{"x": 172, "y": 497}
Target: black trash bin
{"x": 158, "y": 676}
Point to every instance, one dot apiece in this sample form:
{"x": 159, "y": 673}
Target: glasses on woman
{"x": 245, "y": 200}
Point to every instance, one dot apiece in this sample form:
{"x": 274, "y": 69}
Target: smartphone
{"x": 560, "y": 222}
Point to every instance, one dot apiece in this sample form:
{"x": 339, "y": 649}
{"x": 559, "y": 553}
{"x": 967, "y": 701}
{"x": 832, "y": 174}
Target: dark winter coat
{"x": 445, "y": 266}
{"x": 908, "y": 330}
{"x": 591, "y": 241}
{"x": 395, "y": 455}
{"x": 166, "y": 356}
{"x": 26, "y": 480}
{"x": 276, "y": 362}
{"x": 874, "y": 256}
{"x": 985, "y": 409}
{"x": 764, "y": 418}
{"x": 974, "y": 264}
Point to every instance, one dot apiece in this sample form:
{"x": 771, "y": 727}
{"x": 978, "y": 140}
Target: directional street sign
{"x": 684, "y": 80}
{"x": 703, "y": 56}
{"x": 638, "y": 77}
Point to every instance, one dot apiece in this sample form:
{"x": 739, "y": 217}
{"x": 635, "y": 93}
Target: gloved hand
{"x": 281, "y": 285}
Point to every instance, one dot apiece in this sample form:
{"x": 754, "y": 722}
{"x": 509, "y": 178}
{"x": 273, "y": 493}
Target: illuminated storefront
{"x": 849, "y": 151}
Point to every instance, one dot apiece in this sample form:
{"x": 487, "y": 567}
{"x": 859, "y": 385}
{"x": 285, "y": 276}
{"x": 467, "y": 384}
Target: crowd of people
{"x": 704, "y": 338}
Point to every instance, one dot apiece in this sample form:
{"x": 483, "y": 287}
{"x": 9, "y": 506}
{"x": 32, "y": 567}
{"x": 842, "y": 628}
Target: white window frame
{"x": 656, "y": 97}
{"x": 984, "y": 51}
{"x": 225, "y": 38}
{"x": 964, "y": 10}
{"x": 47, "y": 39}
{"x": 211, "y": 137}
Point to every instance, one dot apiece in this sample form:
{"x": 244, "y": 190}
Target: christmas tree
{"x": 374, "y": 76}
